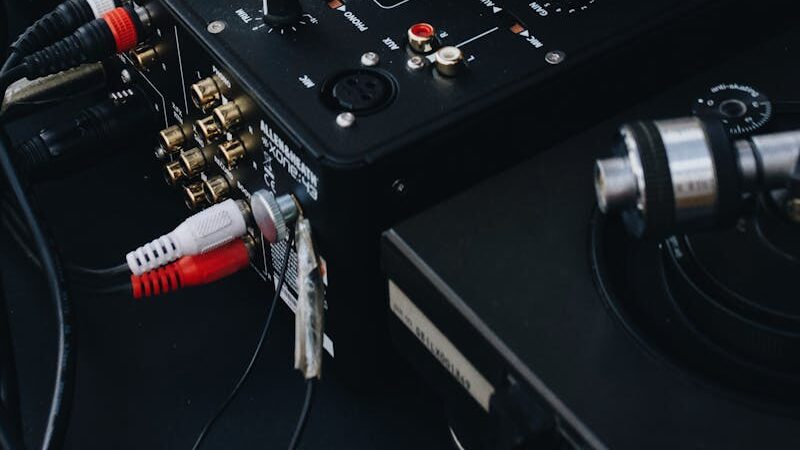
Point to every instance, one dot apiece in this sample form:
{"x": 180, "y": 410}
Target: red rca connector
{"x": 121, "y": 22}
{"x": 194, "y": 270}
{"x": 118, "y": 31}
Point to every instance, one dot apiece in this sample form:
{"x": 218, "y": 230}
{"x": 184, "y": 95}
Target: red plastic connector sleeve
{"x": 192, "y": 271}
{"x": 123, "y": 28}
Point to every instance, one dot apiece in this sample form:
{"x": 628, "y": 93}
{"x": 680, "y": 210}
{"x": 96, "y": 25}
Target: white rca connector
{"x": 101, "y": 7}
{"x": 208, "y": 229}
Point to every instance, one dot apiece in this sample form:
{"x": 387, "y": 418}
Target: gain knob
{"x": 282, "y": 13}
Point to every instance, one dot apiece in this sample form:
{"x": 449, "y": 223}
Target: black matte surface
{"x": 515, "y": 252}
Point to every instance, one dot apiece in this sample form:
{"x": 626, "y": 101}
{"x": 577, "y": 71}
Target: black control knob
{"x": 281, "y": 13}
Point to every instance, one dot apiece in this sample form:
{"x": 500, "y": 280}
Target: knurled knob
{"x": 273, "y": 215}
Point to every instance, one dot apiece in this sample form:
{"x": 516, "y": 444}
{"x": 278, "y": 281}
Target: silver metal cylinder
{"x": 615, "y": 184}
{"x": 777, "y": 155}
{"x": 691, "y": 166}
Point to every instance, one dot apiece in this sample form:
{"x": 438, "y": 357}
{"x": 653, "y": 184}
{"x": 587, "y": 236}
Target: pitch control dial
{"x": 741, "y": 108}
{"x": 568, "y": 6}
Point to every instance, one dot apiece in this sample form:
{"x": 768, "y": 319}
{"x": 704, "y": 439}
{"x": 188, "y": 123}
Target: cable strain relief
{"x": 157, "y": 282}
{"x": 59, "y": 22}
{"x": 62, "y": 55}
{"x": 32, "y": 154}
{"x": 152, "y": 255}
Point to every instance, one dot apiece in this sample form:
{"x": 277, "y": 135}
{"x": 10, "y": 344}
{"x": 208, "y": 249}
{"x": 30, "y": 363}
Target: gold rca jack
{"x": 228, "y": 116}
{"x": 232, "y": 152}
{"x": 216, "y": 189}
{"x": 208, "y": 129}
{"x": 173, "y": 172}
{"x": 194, "y": 195}
{"x": 207, "y": 93}
{"x": 172, "y": 139}
{"x": 194, "y": 161}
{"x": 144, "y": 57}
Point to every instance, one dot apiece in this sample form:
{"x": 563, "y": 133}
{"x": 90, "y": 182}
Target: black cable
{"x": 13, "y": 59}
{"x": 304, "y": 413}
{"x": 15, "y": 227}
{"x": 60, "y": 402}
{"x": 10, "y": 435}
{"x": 257, "y": 351}
{"x": 11, "y": 74}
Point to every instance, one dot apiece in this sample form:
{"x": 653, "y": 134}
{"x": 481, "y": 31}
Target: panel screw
{"x": 345, "y": 120}
{"x": 125, "y": 76}
{"x": 216, "y": 26}
{"x": 370, "y": 59}
{"x": 555, "y": 57}
{"x": 399, "y": 187}
{"x": 415, "y": 62}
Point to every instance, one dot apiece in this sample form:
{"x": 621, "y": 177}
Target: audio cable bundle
{"x": 208, "y": 246}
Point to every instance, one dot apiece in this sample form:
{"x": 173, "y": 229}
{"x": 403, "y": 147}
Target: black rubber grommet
{"x": 729, "y": 177}
{"x": 659, "y": 216}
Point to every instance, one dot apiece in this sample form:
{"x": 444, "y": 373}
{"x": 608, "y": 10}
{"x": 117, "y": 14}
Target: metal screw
{"x": 345, "y": 120}
{"x": 555, "y": 57}
{"x": 399, "y": 187}
{"x": 415, "y": 62}
{"x": 370, "y": 59}
{"x": 125, "y": 76}
{"x": 793, "y": 209}
{"x": 216, "y": 26}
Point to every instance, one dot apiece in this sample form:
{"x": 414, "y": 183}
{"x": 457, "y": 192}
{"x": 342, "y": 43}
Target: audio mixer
{"x": 366, "y": 111}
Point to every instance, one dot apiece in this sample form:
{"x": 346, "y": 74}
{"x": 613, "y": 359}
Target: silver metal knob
{"x": 273, "y": 215}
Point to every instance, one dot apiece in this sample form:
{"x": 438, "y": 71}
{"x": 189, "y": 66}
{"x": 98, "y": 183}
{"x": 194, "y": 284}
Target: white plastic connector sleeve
{"x": 204, "y": 231}
{"x": 101, "y": 7}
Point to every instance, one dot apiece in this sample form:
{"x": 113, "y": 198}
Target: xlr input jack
{"x": 207, "y": 93}
{"x": 208, "y": 128}
{"x": 194, "y": 195}
{"x": 232, "y": 152}
{"x": 173, "y": 172}
{"x": 216, "y": 189}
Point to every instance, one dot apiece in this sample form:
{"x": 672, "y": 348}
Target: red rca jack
{"x": 422, "y": 37}
{"x": 194, "y": 270}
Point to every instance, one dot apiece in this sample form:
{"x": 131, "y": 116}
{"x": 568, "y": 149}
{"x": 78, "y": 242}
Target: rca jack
{"x": 422, "y": 37}
{"x": 232, "y": 152}
{"x": 194, "y": 195}
{"x": 228, "y": 116}
{"x": 173, "y": 173}
{"x": 172, "y": 139}
{"x": 216, "y": 189}
{"x": 144, "y": 57}
{"x": 207, "y": 93}
{"x": 194, "y": 161}
{"x": 208, "y": 128}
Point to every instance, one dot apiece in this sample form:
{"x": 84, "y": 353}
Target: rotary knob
{"x": 282, "y": 13}
{"x": 741, "y": 108}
